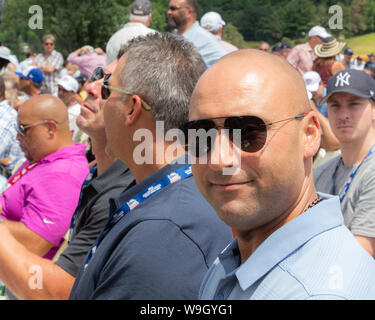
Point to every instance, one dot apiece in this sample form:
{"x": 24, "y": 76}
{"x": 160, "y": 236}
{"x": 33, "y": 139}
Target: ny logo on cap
{"x": 342, "y": 79}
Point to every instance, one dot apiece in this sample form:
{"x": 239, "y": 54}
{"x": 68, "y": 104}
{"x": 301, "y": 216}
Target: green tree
{"x": 233, "y": 36}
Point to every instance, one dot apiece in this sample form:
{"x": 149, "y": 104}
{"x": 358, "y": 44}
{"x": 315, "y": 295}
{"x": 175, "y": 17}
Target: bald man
{"x": 42, "y": 195}
{"x": 291, "y": 242}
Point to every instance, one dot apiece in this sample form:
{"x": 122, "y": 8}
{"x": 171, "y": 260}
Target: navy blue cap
{"x": 355, "y": 82}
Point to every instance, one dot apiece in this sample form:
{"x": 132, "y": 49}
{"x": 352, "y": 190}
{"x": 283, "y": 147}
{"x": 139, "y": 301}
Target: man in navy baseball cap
{"x": 354, "y": 82}
{"x": 351, "y": 114}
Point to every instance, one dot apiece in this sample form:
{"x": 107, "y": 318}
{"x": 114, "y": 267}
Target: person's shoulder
{"x": 344, "y": 268}
{"x": 326, "y": 166}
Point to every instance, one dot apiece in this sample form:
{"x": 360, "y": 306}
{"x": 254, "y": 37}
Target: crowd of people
{"x": 83, "y": 218}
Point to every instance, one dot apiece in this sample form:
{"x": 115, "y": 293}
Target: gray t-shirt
{"x": 358, "y": 205}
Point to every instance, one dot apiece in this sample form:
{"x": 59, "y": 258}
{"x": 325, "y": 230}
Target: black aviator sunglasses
{"x": 253, "y": 133}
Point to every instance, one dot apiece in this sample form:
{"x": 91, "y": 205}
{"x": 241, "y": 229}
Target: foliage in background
{"x": 76, "y": 23}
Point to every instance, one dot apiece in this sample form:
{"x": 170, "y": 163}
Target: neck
{"x": 143, "y": 171}
{"x": 32, "y": 91}
{"x": 182, "y": 29}
{"x": 103, "y": 161}
{"x": 353, "y": 153}
{"x": 249, "y": 241}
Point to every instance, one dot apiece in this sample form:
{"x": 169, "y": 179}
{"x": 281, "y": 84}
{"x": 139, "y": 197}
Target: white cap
{"x": 312, "y": 80}
{"x": 5, "y": 53}
{"x": 319, "y": 31}
{"x": 212, "y": 21}
{"x": 68, "y": 83}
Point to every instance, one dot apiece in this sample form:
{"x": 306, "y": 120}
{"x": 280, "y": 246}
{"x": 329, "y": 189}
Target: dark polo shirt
{"x": 160, "y": 250}
{"x": 92, "y": 213}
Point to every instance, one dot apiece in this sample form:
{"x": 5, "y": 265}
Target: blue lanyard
{"x": 345, "y": 189}
{"x": 130, "y": 205}
{"x": 85, "y": 183}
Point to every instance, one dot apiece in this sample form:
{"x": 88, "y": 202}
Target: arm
{"x": 32, "y": 241}
{"x": 367, "y": 243}
{"x": 47, "y": 68}
{"x": 293, "y": 58}
{"x": 55, "y": 64}
{"x": 337, "y": 67}
{"x": 29, "y": 276}
{"x": 363, "y": 222}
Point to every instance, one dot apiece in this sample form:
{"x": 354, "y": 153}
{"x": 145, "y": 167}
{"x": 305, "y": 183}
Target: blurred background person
{"x": 140, "y": 16}
{"x": 213, "y": 22}
{"x": 50, "y": 62}
{"x": 326, "y": 64}
{"x": 370, "y": 68}
{"x": 302, "y": 56}
{"x": 87, "y": 59}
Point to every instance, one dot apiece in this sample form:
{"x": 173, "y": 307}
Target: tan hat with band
{"x": 329, "y": 48}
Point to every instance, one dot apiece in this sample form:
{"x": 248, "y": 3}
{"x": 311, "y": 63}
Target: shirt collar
{"x": 285, "y": 240}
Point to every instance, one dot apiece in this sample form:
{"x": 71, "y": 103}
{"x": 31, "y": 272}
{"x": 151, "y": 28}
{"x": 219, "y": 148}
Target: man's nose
{"x": 224, "y": 155}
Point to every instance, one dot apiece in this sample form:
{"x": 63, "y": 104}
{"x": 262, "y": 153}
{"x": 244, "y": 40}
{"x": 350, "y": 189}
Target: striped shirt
{"x": 9, "y": 146}
{"x": 56, "y": 60}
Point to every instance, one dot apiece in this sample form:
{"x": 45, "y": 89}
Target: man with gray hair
{"x": 170, "y": 235}
{"x": 50, "y": 62}
{"x": 140, "y": 18}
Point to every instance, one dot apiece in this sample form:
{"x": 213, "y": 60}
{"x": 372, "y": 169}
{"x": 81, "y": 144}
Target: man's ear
{"x": 312, "y": 133}
{"x": 51, "y": 128}
{"x": 135, "y": 112}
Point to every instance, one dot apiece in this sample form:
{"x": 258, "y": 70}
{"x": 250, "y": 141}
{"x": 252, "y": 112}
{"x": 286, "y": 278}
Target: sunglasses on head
{"x": 253, "y": 133}
{"x": 98, "y": 74}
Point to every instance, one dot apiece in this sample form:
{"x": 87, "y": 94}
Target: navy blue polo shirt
{"x": 160, "y": 250}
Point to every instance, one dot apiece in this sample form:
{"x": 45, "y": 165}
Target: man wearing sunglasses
{"x": 42, "y": 195}
{"x": 291, "y": 242}
{"x": 106, "y": 179}
{"x": 50, "y": 62}
{"x": 182, "y": 15}
{"x": 162, "y": 235}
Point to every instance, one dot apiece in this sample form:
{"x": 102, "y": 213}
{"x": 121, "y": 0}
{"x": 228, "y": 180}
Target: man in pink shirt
{"x": 302, "y": 56}
{"x": 88, "y": 59}
{"x": 42, "y": 195}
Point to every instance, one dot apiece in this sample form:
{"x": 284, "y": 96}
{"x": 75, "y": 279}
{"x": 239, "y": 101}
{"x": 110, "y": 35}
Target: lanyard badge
{"x": 135, "y": 201}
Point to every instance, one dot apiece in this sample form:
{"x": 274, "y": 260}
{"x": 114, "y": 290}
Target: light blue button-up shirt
{"x": 314, "y": 256}
{"x": 206, "y": 43}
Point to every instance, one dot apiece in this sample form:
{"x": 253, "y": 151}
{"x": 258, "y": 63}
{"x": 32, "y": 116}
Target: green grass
{"x": 362, "y": 45}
